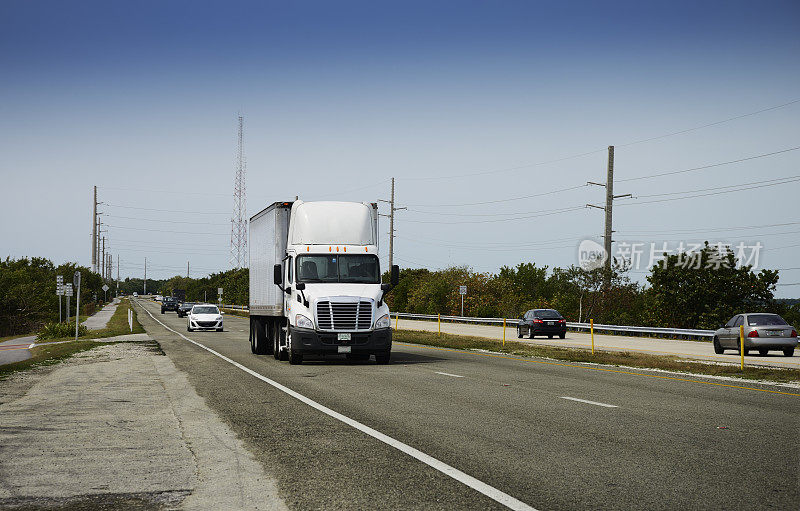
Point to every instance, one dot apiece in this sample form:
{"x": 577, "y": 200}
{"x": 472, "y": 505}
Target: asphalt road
{"x": 695, "y": 350}
{"x": 16, "y": 350}
{"x": 516, "y": 425}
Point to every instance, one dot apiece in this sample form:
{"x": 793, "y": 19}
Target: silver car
{"x": 762, "y": 332}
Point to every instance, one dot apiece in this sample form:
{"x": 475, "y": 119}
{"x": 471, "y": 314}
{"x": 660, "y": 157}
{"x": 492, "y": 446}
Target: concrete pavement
{"x": 99, "y": 319}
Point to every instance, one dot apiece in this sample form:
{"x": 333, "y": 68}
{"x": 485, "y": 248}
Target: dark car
{"x": 542, "y": 322}
{"x": 184, "y": 309}
{"x": 169, "y": 304}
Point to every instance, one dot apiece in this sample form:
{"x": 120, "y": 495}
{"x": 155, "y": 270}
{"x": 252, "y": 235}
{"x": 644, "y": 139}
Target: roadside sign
{"x": 105, "y": 287}
{"x": 219, "y": 290}
{"x": 60, "y": 289}
{"x": 219, "y": 299}
{"x": 68, "y": 289}
{"x": 59, "y": 279}
{"x": 462, "y": 290}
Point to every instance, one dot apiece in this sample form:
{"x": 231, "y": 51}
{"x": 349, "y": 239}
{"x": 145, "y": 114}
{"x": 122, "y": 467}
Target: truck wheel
{"x": 383, "y": 358}
{"x": 260, "y": 336}
{"x": 295, "y": 358}
{"x": 252, "y": 338}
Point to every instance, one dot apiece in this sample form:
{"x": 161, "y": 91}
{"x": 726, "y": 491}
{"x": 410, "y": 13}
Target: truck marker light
{"x": 330, "y": 249}
{"x": 337, "y": 249}
{"x": 345, "y": 249}
{"x": 308, "y": 249}
{"x": 365, "y": 249}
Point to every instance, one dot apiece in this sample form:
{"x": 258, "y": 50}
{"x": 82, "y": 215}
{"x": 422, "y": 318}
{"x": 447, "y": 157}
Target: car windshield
{"x": 338, "y": 268}
{"x": 765, "y": 320}
{"x": 548, "y": 314}
{"x": 207, "y": 309}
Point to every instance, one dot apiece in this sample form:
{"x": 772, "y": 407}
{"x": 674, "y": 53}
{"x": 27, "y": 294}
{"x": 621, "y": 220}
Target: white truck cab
{"x": 326, "y": 295}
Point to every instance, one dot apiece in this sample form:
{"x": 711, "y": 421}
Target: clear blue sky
{"x": 141, "y": 98}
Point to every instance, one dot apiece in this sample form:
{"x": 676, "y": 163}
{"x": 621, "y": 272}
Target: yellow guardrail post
{"x": 741, "y": 344}
{"x": 591, "y": 329}
{"x": 396, "y": 321}
{"x": 439, "y": 321}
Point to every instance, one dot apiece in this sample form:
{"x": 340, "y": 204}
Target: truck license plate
{"x": 344, "y": 349}
{"x": 344, "y": 337}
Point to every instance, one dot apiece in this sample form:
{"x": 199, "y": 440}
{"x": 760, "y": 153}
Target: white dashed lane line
{"x": 589, "y": 402}
{"x": 448, "y": 374}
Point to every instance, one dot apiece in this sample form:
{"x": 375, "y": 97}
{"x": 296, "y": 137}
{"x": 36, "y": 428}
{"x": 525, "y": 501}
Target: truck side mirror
{"x": 394, "y": 279}
{"x": 277, "y": 274}
{"x": 300, "y": 286}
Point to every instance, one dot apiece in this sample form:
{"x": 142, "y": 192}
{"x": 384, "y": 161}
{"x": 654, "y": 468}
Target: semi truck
{"x": 315, "y": 282}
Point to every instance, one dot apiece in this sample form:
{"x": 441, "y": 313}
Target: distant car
{"x": 547, "y": 322}
{"x": 184, "y": 308}
{"x": 169, "y": 304}
{"x": 135, "y": 294}
{"x": 159, "y": 298}
{"x": 762, "y": 332}
{"x": 204, "y": 317}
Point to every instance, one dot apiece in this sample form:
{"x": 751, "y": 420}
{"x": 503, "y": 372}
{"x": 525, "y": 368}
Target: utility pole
{"x": 609, "y": 206}
{"x": 187, "y": 269}
{"x": 117, "y": 274}
{"x": 145, "y": 276}
{"x": 103, "y": 260}
{"x": 94, "y": 232}
{"x": 609, "y": 230}
{"x": 392, "y": 209}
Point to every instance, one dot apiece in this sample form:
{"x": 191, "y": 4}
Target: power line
{"x": 497, "y": 201}
{"x": 173, "y": 232}
{"x": 711, "y": 229}
{"x": 722, "y": 188}
{"x": 540, "y": 214}
{"x": 165, "y": 210}
{"x": 673, "y": 172}
{"x": 168, "y": 192}
{"x": 163, "y": 221}
{"x": 709, "y": 124}
{"x": 785, "y": 181}
{"x": 587, "y": 153}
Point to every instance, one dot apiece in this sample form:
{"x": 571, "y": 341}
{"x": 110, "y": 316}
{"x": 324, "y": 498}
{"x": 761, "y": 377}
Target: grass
{"x": 52, "y": 351}
{"x": 236, "y": 312}
{"x": 628, "y": 359}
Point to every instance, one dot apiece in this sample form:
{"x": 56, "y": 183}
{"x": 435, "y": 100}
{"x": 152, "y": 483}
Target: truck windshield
{"x": 338, "y": 268}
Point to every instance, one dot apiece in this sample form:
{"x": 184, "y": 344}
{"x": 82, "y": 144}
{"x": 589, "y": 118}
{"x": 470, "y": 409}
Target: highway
{"x": 695, "y": 350}
{"x": 544, "y": 434}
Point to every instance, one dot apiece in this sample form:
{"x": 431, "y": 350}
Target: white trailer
{"x": 315, "y": 282}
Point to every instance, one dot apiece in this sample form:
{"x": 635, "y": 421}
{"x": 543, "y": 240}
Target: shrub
{"x": 59, "y": 330}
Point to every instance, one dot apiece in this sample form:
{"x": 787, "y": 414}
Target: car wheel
{"x": 562, "y": 336}
{"x": 519, "y": 333}
{"x": 530, "y": 334}
{"x": 188, "y": 329}
{"x": 383, "y": 358}
{"x": 788, "y": 352}
{"x": 162, "y": 311}
{"x": 549, "y": 336}
{"x": 763, "y": 352}
{"x": 219, "y": 329}
{"x": 718, "y": 349}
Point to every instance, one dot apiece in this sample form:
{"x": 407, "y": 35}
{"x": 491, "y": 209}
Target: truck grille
{"x": 344, "y": 315}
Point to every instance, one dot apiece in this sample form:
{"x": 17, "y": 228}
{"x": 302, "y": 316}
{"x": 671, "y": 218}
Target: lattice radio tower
{"x": 239, "y": 220}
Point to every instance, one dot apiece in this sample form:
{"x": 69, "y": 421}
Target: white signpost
{"x": 105, "y": 289}
{"x": 219, "y": 295}
{"x": 77, "y": 281}
{"x": 462, "y": 290}
{"x": 68, "y": 293}
{"x": 60, "y": 293}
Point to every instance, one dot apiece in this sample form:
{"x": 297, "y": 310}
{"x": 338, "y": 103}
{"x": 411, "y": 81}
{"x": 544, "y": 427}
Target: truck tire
{"x": 252, "y": 337}
{"x": 260, "y": 335}
{"x": 383, "y": 358}
{"x": 295, "y": 357}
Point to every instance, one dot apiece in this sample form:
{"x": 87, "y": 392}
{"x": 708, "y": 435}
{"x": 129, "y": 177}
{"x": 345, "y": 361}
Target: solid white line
{"x": 32, "y": 345}
{"x": 448, "y": 374}
{"x": 490, "y": 491}
{"x": 588, "y": 402}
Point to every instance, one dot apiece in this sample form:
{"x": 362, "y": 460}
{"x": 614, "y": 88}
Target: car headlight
{"x": 303, "y": 322}
{"x": 383, "y": 322}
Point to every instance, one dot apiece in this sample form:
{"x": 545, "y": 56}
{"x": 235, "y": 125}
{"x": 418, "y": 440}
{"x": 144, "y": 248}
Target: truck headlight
{"x": 303, "y": 322}
{"x": 383, "y": 322}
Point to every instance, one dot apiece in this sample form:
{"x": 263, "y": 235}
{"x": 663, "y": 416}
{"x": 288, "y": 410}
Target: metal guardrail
{"x": 680, "y": 333}
{"x": 631, "y": 330}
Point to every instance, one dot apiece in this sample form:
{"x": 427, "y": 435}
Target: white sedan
{"x": 204, "y": 317}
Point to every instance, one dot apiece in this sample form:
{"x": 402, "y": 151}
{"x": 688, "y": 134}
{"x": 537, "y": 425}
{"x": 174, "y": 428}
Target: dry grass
{"x": 612, "y": 358}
